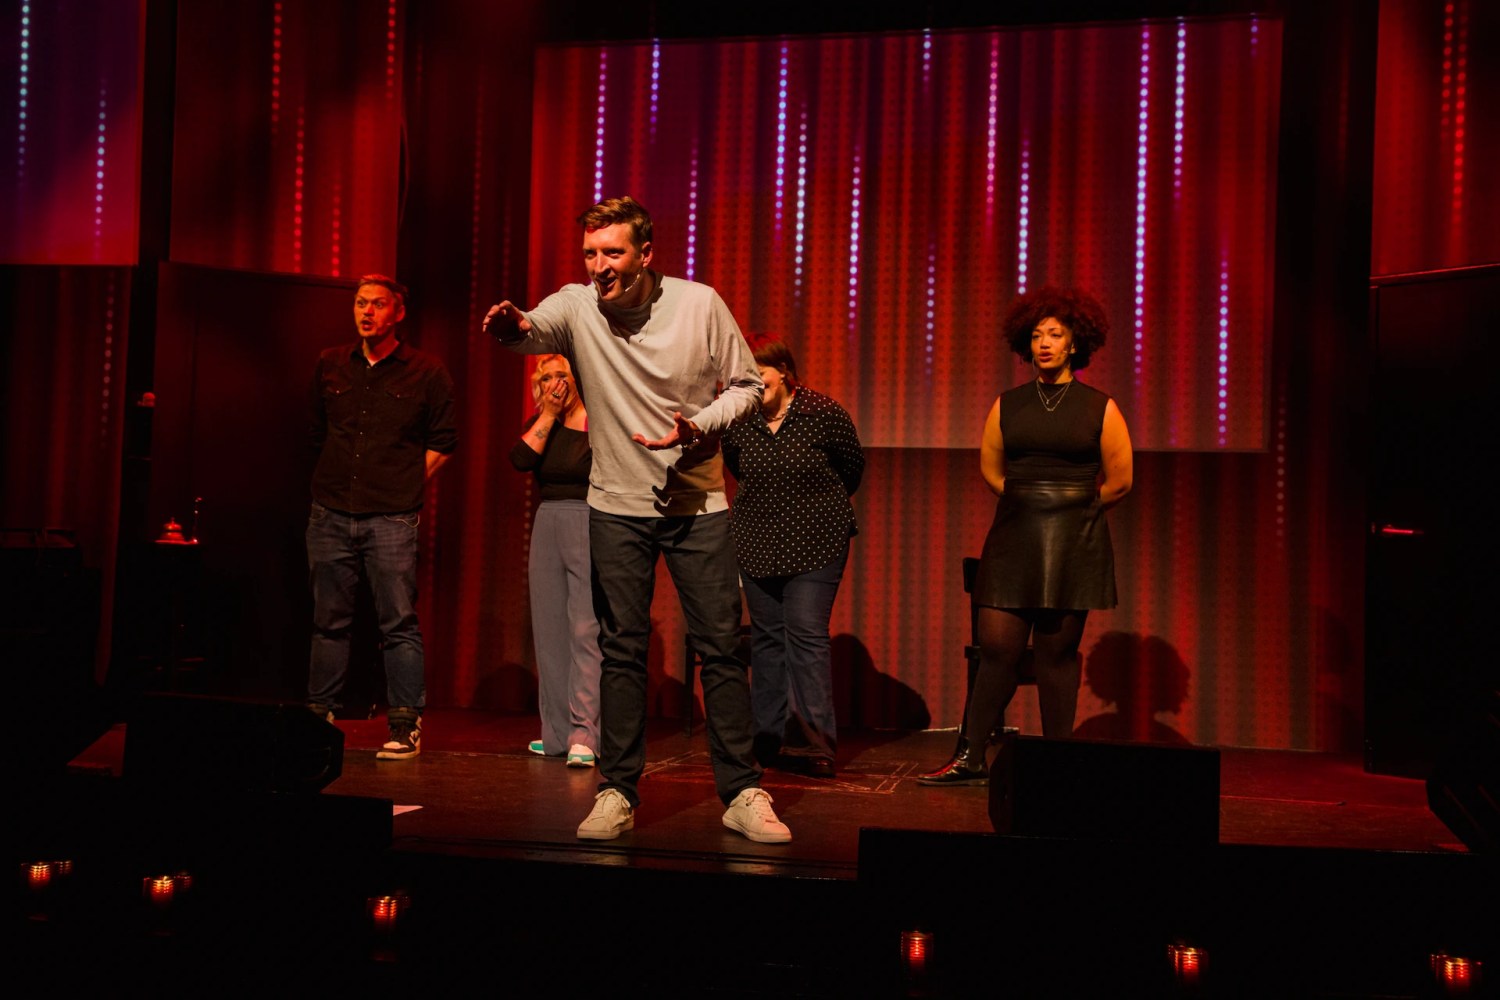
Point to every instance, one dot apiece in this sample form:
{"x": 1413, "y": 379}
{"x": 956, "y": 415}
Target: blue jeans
{"x": 383, "y": 549}
{"x": 700, "y": 556}
{"x": 791, "y": 671}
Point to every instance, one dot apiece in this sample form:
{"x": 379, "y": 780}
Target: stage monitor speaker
{"x": 1095, "y": 789}
{"x": 1464, "y": 788}
{"x": 226, "y": 745}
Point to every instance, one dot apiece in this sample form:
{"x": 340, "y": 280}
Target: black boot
{"x": 966, "y": 768}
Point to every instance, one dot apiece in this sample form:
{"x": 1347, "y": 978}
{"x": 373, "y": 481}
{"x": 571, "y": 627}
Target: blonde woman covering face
{"x": 554, "y": 447}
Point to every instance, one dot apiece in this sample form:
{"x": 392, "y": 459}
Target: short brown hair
{"x": 771, "y": 351}
{"x": 1079, "y": 311}
{"x": 395, "y": 287}
{"x": 612, "y": 211}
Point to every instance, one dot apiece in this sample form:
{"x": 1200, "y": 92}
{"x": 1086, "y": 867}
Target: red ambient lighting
{"x": 1457, "y": 976}
{"x": 1187, "y": 963}
{"x": 916, "y": 947}
{"x": 386, "y": 911}
{"x": 44, "y": 881}
{"x": 38, "y": 875}
{"x": 161, "y": 891}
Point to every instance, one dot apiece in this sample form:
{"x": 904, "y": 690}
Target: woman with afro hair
{"x": 1057, "y": 454}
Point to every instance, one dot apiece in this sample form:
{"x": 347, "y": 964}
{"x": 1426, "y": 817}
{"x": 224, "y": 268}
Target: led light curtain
{"x": 1436, "y": 141}
{"x": 70, "y": 131}
{"x": 880, "y": 200}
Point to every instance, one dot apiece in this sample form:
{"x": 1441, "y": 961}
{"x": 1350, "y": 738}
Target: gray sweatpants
{"x": 564, "y": 627}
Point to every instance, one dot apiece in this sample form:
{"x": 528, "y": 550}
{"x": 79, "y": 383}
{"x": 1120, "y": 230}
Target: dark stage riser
{"x": 283, "y": 882}
{"x": 504, "y": 900}
{"x": 1105, "y": 789}
{"x": 1091, "y": 917}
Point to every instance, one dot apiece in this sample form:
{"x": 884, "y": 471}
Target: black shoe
{"x": 767, "y": 750}
{"x": 405, "y": 742}
{"x": 819, "y": 767}
{"x": 966, "y": 768}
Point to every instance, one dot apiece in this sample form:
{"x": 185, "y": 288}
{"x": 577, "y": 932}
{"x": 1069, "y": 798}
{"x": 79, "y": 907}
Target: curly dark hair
{"x": 1079, "y": 311}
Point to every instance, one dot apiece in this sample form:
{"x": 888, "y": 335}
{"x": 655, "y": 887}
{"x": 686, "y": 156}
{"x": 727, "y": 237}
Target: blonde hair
{"x": 542, "y": 362}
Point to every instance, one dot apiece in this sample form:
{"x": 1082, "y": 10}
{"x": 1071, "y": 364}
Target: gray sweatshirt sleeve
{"x": 738, "y": 373}
{"x": 551, "y": 329}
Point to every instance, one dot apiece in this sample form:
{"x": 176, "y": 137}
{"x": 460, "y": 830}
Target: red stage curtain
{"x": 1436, "y": 139}
{"x": 462, "y": 248}
{"x": 61, "y": 430}
{"x": 342, "y": 138}
{"x": 70, "y": 145}
{"x": 289, "y": 135}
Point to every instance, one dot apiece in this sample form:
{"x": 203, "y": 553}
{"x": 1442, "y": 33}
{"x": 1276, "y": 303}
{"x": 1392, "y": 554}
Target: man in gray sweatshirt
{"x": 662, "y": 368}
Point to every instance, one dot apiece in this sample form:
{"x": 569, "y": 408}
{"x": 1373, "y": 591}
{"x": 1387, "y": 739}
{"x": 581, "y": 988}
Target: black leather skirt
{"x": 1047, "y": 548}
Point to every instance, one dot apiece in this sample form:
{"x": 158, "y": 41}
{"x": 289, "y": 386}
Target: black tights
{"x": 1055, "y": 636}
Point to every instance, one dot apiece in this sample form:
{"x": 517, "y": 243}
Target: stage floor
{"x": 482, "y": 845}
{"x": 476, "y": 791}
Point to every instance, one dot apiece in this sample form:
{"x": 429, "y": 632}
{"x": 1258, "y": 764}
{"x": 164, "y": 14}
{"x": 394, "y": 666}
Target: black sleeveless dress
{"x": 1049, "y": 544}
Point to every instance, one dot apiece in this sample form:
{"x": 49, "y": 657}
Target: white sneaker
{"x": 611, "y": 816}
{"x": 580, "y": 756}
{"x": 751, "y": 814}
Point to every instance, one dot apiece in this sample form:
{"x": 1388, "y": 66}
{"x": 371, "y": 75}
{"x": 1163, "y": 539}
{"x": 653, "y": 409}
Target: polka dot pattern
{"x": 792, "y": 513}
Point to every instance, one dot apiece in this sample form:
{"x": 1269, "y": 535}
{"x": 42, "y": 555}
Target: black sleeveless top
{"x": 1061, "y": 444}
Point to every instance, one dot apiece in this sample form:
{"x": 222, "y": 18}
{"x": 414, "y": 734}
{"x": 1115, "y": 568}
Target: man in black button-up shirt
{"x": 381, "y": 418}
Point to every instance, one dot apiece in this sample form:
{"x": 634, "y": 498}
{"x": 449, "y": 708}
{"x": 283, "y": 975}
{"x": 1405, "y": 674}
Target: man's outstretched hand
{"x": 684, "y": 432}
{"x": 503, "y": 318}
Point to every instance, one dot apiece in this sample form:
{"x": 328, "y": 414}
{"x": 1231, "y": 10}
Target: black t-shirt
{"x": 561, "y": 468}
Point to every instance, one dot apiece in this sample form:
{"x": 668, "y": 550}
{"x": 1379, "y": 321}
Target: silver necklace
{"x": 785, "y": 409}
{"x": 1051, "y": 404}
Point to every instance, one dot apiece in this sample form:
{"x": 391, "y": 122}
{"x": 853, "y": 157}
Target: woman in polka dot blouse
{"x": 797, "y": 461}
